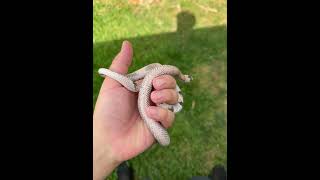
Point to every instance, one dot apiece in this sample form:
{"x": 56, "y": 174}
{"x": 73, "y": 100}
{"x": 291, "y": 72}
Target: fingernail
{"x": 123, "y": 45}
{"x": 152, "y": 111}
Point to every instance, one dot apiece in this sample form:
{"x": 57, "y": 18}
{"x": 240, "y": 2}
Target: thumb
{"x": 120, "y": 64}
{"x": 122, "y": 61}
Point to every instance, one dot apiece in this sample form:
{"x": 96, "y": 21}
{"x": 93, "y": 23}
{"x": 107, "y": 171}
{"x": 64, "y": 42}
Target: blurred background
{"x": 189, "y": 34}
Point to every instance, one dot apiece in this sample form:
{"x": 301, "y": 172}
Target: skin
{"x": 119, "y": 133}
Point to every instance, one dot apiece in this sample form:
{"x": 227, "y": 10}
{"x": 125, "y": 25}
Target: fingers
{"x": 169, "y": 96}
{"x": 164, "y": 82}
{"x": 120, "y": 64}
{"x": 165, "y": 90}
{"x": 165, "y": 117}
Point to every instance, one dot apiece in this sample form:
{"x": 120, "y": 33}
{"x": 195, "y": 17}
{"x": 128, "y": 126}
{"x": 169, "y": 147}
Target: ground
{"x": 191, "y": 35}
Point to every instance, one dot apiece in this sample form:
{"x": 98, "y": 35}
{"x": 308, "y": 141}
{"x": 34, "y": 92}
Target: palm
{"x": 123, "y": 128}
{"x": 119, "y": 133}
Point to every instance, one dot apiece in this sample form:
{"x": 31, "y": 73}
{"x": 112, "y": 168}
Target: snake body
{"x": 147, "y": 74}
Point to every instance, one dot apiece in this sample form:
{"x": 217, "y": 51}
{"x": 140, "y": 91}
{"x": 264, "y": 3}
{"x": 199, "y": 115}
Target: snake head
{"x": 188, "y": 78}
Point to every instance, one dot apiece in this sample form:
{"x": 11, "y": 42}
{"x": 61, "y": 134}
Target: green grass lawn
{"x": 191, "y": 35}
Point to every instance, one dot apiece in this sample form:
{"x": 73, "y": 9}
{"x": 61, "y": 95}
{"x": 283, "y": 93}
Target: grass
{"x": 198, "y": 48}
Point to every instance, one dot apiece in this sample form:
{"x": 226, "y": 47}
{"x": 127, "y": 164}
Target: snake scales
{"x": 147, "y": 74}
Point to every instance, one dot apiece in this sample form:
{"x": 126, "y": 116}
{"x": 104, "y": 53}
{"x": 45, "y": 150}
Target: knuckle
{"x": 174, "y": 96}
{"x": 173, "y": 80}
{"x": 165, "y": 114}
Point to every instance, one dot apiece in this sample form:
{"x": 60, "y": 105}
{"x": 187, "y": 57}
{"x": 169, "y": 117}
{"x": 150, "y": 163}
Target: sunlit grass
{"x": 199, "y": 132}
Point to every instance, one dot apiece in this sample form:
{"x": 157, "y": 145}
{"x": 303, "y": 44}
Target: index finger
{"x": 164, "y": 82}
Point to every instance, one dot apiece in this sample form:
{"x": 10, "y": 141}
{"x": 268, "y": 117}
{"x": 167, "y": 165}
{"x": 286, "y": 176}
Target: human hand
{"x": 119, "y": 133}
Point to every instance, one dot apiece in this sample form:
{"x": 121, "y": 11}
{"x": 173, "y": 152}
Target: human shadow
{"x": 200, "y": 52}
{"x": 187, "y": 48}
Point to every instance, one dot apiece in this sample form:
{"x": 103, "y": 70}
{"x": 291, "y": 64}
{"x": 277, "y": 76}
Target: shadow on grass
{"x": 186, "y": 48}
{"x": 199, "y": 135}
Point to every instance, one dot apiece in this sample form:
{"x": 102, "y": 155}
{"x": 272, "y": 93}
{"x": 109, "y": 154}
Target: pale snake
{"x": 147, "y": 74}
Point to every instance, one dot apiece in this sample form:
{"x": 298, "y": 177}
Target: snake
{"x": 147, "y": 74}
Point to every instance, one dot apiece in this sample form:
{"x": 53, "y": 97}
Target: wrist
{"x": 104, "y": 161}
{"x": 103, "y": 164}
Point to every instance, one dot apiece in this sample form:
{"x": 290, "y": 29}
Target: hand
{"x": 119, "y": 133}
